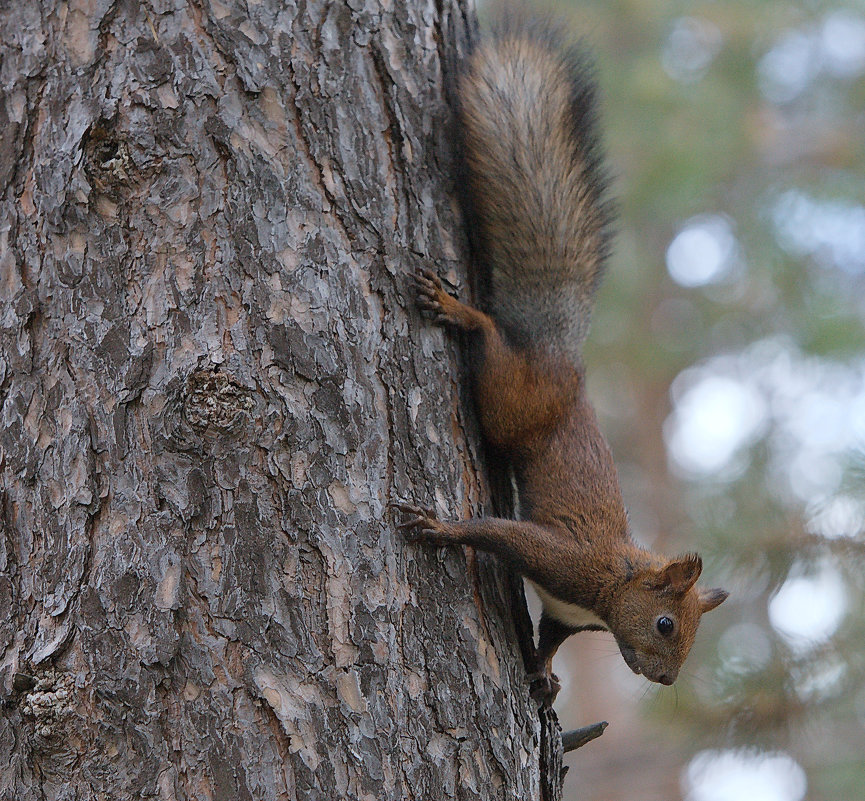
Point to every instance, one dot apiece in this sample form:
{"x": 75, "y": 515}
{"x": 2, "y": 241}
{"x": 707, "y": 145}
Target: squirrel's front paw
{"x": 423, "y": 525}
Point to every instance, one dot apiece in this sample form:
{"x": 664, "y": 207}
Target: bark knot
{"x": 216, "y": 402}
{"x": 108, "y": 160}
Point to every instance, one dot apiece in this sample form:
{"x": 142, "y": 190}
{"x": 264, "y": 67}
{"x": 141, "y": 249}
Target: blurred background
{"x": 727, "y": 365}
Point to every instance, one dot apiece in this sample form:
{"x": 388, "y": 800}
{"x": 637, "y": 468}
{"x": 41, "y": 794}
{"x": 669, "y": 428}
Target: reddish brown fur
{"x": 540, "y": 223}
{"x": 574, "y": 540}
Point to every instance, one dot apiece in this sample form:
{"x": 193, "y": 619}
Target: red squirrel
{"x": 537, "y": 201}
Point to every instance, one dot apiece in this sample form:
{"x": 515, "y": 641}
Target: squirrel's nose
{"x": 666, "y": 678}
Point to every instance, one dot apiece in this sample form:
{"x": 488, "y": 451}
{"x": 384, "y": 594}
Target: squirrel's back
{"x": 536, "y": 183}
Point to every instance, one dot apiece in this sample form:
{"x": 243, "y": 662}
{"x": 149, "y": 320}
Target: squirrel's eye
{"x": 665, "y": 625}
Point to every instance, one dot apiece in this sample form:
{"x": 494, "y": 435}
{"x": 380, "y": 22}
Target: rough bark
{"x": 212, "y": 382}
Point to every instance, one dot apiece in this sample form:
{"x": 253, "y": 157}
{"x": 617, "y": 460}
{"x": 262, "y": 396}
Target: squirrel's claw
{"x": 426, "y": 276}
{"x": 423, "y": 525}
{"x": 428, "y": 287}
{"x": 443, "y": 307}
{"x": 427, "y": 281}
{"x": 544, "y": 687}
{"x": 412, "y": 509}
{"x": 428, "y": 304}
{"x": 421, "y": 517}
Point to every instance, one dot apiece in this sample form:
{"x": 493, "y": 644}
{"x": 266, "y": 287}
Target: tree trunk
{"x": 213, "y": 380}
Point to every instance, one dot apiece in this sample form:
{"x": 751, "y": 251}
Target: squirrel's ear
{"x": 709, "y": 599}
{"x": 681, "y": 574}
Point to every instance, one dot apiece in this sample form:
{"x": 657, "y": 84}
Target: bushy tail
{"x": 536, "y": 183}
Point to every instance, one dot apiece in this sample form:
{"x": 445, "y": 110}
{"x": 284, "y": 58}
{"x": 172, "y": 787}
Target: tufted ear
{"x": 709, "y": 599}
{"x": 681, "y": 574}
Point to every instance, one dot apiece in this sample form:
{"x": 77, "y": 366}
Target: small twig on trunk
{"x": 579, "y": 737}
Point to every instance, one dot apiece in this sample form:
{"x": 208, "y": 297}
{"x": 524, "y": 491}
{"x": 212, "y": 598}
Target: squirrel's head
{"x": 657, "y": 614}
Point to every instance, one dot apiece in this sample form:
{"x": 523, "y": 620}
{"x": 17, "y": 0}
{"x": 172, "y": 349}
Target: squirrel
{"x": 541, "y": 219}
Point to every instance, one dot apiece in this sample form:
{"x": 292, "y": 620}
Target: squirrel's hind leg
{"x": 519, "y": 396}
{"x": 543, "y": 682}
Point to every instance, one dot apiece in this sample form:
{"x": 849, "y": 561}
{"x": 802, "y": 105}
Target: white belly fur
{"x": 569, "y": 614}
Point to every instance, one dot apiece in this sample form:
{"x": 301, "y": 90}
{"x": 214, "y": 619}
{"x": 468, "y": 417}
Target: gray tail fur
{"x": 536, "y": 184}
